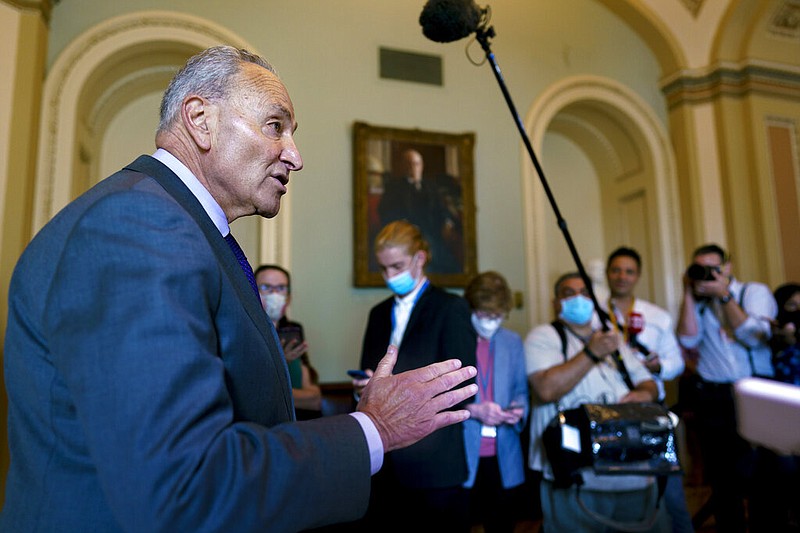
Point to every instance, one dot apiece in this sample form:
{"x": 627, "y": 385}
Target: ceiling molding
{"x": 693, "y": 6}
{"x": 44, "y": 7}
{"x": 729, "y": 79}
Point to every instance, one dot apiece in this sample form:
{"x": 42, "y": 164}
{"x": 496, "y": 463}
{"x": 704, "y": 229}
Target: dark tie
{"x": 239, "y": 253}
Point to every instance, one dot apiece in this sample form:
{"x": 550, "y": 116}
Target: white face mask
{"x": 273, "y": 304}
{"x": 486, "y": 327}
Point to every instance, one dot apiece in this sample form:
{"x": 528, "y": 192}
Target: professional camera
{"x": 701, "y": 272}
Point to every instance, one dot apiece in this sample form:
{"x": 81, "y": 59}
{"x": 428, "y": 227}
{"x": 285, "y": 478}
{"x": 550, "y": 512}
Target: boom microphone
{"x": 445, "y": 21}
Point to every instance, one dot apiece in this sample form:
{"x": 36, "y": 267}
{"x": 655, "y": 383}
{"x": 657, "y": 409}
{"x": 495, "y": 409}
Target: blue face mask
{"x": 577, "y": 309}
{"x": 402, "y": 283}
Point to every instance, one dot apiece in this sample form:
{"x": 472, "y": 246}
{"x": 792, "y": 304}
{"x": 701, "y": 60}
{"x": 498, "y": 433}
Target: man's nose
{"x": 291, "y": 155}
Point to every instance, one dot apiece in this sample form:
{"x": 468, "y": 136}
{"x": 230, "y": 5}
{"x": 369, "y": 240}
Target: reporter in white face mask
{"x": 275, "y": 290}
{"x": 492, "y": 434}
{"x": 421, "y": 484}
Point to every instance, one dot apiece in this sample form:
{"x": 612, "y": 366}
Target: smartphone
{"x": 513, "y": 406}
{"x": 290, "y": 333}
{"x": 357, "y": 374}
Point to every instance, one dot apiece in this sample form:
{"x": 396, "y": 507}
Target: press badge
{"x": 489, "y": 431}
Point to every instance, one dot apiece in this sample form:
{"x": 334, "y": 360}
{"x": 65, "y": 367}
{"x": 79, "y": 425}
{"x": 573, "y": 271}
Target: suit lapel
{"x": 418, "y": 309}
{"x": 227, "y": 260}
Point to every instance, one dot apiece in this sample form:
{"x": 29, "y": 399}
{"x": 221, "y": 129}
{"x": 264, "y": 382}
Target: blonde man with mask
{"x": 423, "y": 483}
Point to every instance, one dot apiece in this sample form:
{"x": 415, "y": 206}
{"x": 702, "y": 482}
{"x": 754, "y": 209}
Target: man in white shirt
{"x": 651, "y": 333}
{"x": 566, "y": 375}
{"x": 728, "y": 322}
{"x": 648, "y": 330}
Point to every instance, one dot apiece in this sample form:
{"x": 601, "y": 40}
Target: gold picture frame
{"x": 441, "y": 203}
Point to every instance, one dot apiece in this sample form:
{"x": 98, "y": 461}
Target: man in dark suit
{"x": 411, "y": 197}
{"x": 421, "y": 483}
{"x": 147, "y": 388}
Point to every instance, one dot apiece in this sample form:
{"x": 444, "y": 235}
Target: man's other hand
{"x": 410, "y": 406}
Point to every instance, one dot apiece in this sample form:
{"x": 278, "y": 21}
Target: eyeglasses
{"x": 265, "y": 287}
{"x": 489, "y": 315}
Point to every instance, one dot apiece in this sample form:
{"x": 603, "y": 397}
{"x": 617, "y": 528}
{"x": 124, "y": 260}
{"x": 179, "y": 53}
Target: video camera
{"x": 702, "y": 272}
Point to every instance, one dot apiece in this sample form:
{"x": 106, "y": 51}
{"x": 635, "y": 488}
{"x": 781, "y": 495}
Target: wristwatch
{"x": 591, "y": 355}
{"x": 726, "y": 299}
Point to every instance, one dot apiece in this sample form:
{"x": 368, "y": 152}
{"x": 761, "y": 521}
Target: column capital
{"x": 44, "y": 7}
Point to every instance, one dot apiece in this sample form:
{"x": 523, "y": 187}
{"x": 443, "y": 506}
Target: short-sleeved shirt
{"x": 602, "y": 384}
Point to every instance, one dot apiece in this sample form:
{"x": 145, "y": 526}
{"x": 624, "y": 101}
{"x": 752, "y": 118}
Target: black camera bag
{"x": 625, "y": 438}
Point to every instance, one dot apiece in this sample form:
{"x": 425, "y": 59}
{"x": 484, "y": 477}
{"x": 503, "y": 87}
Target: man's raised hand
{"x": 410, "y": 406}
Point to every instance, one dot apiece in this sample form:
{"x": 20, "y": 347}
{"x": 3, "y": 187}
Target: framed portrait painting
{"x": 423, "y": 177}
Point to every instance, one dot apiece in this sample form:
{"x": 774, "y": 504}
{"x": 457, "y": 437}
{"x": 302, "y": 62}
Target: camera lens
{"x": 697, "y": 272}
{"x": 701, "y": 272}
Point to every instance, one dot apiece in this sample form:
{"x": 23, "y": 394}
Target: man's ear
{"x": 199, "y": 117}
{"x": 423, "y": 260}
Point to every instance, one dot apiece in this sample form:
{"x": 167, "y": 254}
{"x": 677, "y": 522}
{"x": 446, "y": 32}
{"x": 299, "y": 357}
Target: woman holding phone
{"x": 275, "y": 290}
{"x": 492, "y": 434}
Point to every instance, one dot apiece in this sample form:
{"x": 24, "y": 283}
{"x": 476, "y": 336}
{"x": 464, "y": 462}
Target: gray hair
{"x": 209, "y": 74}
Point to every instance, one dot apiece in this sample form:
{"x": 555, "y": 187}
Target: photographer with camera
{"x": 728, "y": 322}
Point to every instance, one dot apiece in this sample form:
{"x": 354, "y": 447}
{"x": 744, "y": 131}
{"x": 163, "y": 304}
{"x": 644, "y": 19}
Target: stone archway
{"x": 630, "y": 150}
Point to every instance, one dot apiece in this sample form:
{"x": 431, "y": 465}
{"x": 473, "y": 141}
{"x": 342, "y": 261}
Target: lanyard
{"x": 486, "y": 372}
{"x": 613, "y": 317}
{"x": 394, "y": 307}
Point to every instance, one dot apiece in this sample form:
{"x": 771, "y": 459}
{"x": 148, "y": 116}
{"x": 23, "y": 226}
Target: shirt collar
{"x": 212, "y": 208}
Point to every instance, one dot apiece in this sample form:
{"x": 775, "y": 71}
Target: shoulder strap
{"x": 623, "y": 370}
{"x": 562, "y": 334}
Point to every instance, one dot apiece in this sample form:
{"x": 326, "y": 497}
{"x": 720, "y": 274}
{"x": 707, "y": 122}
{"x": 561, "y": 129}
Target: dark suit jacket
{"x": 147, "y": 390}
{"x": 438, "y": 329}
{"x": 425, "y": 208}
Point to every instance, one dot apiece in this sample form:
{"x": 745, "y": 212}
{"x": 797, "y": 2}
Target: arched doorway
{"x": 613, "y": 180}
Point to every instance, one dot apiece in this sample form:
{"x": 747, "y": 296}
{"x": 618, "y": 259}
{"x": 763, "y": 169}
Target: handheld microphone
{"x": 635, "y": 326}
{"x": 635, "y": 323}
{"x": 446, "y": 21}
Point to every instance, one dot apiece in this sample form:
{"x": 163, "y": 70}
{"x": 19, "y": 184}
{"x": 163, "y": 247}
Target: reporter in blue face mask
{"x": 421, "y": 484}
{"x": 497, "y": 416}
{"x": 570, "y": 363}
{"x": 576, "y": 309}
